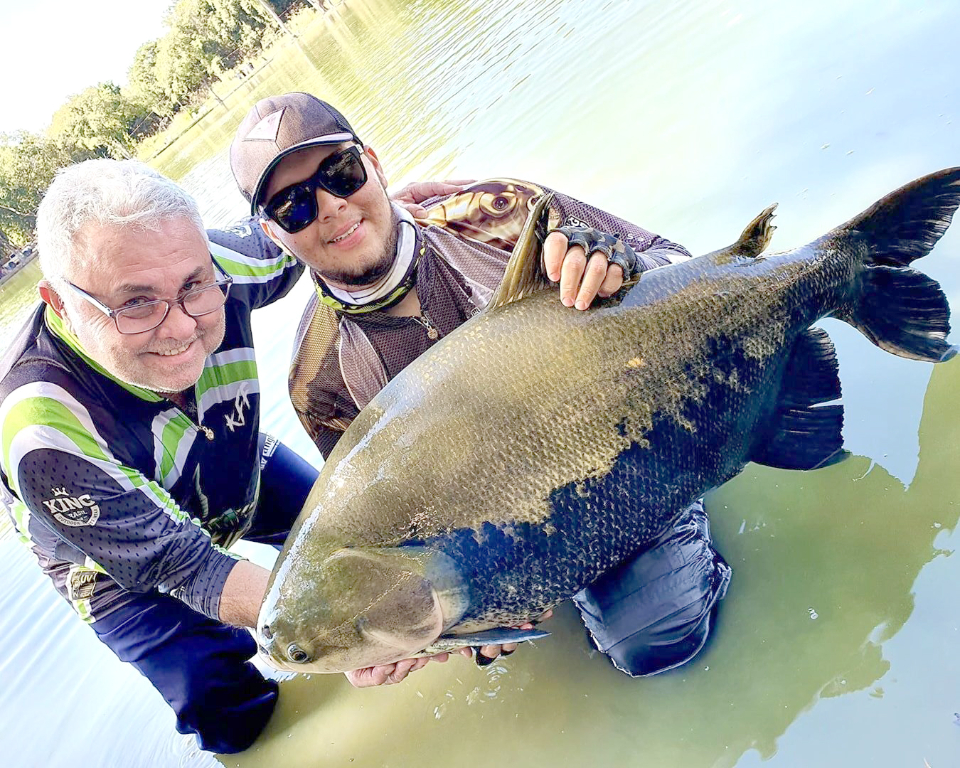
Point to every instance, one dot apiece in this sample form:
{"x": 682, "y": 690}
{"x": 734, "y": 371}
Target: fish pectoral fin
{"x": 805, "y": 432}
{"x": 498, "y": 636}
{"x": 524, "y": 274}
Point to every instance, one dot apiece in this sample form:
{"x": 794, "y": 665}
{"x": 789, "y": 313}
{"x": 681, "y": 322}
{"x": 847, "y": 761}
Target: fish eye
{"x": 500, "y": 202}
{"x": 296, "y": 654}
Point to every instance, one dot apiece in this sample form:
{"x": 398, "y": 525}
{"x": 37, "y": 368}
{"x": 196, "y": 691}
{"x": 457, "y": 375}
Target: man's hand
{"x": 582, "y": 279}
{"x": 415, "y": 193}
{"x": 388, "y": 674}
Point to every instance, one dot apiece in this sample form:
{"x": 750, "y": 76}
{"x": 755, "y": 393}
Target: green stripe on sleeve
{"x": 172, "y": 434}
{"x": 242, "y": 269}
{"x": 228, "y": 373}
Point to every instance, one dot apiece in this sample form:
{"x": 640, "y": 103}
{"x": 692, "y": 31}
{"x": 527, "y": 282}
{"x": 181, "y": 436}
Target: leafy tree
{"x": 206, "y": 38}
{"x": 143, "y": 87}
{"x": 237, "y": 26}
{"x": 101, "y": 120}
{"x": 28, "y": 162}
{"x": 280, "y": 7}
{"x": 6, "y": 246}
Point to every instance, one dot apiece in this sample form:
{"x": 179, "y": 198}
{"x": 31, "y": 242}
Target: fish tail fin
{"x": 900, "y": 309}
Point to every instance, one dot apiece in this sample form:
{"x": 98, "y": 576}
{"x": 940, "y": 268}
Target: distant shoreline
{"x": 17, "y": 261}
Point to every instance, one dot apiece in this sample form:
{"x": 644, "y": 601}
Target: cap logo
{"x": 267, "y": 129}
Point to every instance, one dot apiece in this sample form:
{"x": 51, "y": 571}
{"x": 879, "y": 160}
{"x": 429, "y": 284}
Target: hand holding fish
{"x": 565, "y": 259}
{"x": 388, "y": 674}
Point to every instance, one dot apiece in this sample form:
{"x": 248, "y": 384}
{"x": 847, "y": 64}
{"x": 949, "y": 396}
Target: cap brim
{"x": 320, "y": 141}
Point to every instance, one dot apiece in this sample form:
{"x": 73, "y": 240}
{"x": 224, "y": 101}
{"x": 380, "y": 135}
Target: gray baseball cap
{"x": 276, "y": 127}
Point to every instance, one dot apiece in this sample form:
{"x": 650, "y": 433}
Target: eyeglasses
{"x": 147, "y": 315}
{"x": 295, "y": 207}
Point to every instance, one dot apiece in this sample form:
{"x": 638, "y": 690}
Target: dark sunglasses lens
{"x": 294, "y": 209}
{"x": 344, "y": 175}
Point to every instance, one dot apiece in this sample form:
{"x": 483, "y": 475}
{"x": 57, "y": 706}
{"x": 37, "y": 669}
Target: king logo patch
{"x": 73, "y": 511}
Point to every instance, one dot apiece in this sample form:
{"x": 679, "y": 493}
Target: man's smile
{"x": 346, "y": 233}
{"x": 174, "y": 351}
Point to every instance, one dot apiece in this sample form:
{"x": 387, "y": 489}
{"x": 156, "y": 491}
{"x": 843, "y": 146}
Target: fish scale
{"x": 537, "y": 447}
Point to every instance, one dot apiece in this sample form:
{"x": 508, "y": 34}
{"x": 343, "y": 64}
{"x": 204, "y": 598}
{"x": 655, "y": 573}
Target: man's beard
{"x": 352, "y": 280}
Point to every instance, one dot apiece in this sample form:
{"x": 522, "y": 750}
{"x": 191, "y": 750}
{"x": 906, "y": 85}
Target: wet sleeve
{"x": 652, "y": 249}
{"x": 125, "y": 523}
{"x": 261, "y": 272}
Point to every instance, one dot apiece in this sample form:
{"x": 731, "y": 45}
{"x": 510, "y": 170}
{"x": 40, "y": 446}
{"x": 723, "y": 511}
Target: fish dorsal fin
{"x": 525, "y": 274}
{"x": 752, "y": 241}
{"x": 757, "y": 234}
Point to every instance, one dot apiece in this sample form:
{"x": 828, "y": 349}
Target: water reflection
{"x": 17, "y": 295}
{"x": 825, "y": 566}
{"x": 837, "y": 642}
{"x": 827, "y": 563}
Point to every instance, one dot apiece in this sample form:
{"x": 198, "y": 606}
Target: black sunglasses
{"x": 295, "y": 207}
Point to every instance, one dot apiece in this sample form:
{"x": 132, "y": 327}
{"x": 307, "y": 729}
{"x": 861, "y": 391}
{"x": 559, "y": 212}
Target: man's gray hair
{"x": 109, "y": 193}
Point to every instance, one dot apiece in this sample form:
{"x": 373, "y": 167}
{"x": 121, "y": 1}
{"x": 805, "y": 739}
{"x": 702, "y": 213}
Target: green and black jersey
{"x": 115, "y": 488}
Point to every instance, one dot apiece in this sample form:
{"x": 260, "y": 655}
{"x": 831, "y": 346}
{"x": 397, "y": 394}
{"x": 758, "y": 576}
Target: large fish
{"x": 536, "y": 447}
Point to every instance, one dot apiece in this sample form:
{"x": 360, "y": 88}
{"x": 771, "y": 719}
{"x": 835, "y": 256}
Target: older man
{"x": 388, "y": 287}
{"x": 132, "y": 456}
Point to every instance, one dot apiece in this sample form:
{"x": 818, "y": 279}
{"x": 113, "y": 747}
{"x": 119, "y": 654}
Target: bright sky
{"x": 53, "y": 49}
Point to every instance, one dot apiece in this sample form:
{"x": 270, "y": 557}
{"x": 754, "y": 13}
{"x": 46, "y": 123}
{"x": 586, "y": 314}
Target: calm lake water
{"x": 838, "y": 642}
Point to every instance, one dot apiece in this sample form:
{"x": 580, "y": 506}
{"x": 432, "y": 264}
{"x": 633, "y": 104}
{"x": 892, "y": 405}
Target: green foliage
{"x": 28, "y": 163}
{"x": 143, "y": 87}
{"x": 282, "y": 6}
{"x": 101, "y": 120}
{"x": 206, "y": 38}
{"x": 7, "y": 246}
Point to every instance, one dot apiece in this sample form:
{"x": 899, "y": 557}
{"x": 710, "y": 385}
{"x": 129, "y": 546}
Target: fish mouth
{"x": 378, "y": 606}
{"x": 273, "y": 662}
{"x": 266, "y": 654}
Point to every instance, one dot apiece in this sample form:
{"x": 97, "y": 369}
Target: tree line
{"x": 204, "y": 40}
